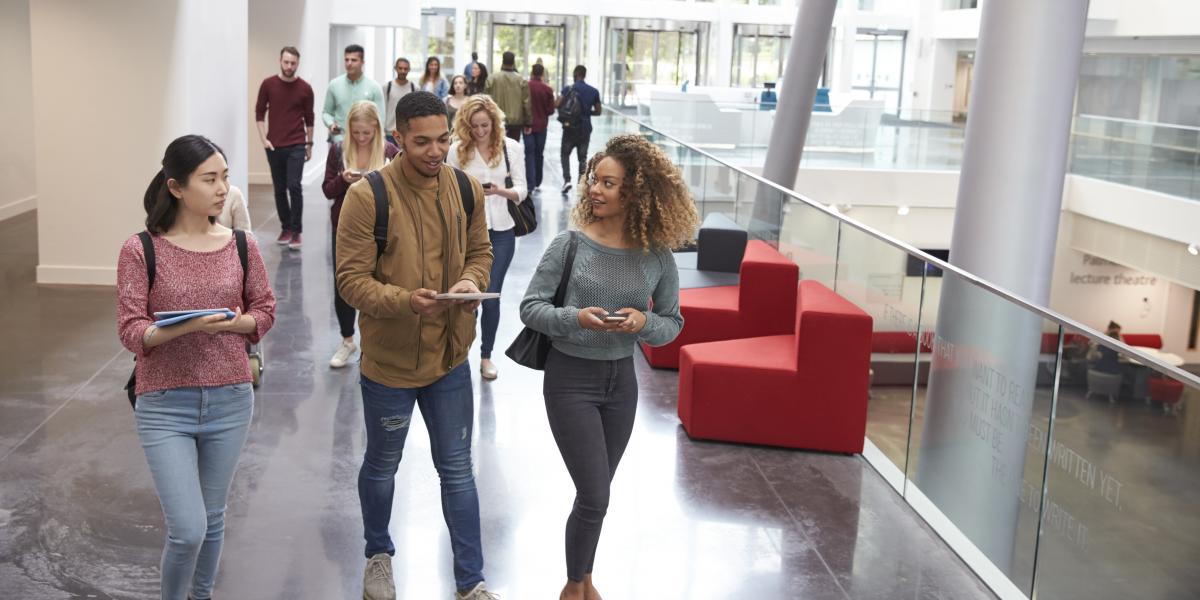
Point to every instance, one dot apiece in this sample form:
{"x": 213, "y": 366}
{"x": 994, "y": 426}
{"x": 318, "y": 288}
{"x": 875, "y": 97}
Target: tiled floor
{"x": 694, "y": 520}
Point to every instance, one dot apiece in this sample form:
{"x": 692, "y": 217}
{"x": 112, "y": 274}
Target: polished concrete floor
{"x": 695, "y": 520}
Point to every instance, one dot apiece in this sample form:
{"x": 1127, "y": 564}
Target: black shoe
{"x": 566, "y": 188}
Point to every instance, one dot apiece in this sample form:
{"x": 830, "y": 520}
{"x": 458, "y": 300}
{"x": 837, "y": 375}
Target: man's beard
{"x": 288, "y": 74}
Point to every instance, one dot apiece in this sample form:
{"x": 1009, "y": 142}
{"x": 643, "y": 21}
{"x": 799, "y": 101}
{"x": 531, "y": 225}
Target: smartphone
{"x": 487, "y": 186}
{"x": 613, "y": 317}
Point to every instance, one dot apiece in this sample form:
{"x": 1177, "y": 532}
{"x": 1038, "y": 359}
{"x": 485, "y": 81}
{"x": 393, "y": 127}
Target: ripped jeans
{"x": 448, "y": 408}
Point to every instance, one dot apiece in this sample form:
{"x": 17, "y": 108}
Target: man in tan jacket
{"x": 414, "y": 347}
{"x": 511, "y": 94}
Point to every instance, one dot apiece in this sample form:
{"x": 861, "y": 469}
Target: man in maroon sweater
{"x": 287, "y": 137}
{"x": 541, "y": 102}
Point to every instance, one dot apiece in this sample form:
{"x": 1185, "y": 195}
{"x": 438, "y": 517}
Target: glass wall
{"x": 643, "y": 52}
{"x": 1155, "y": 89}
{"x": 759, "y": 53}
{"x": 1058, "y": 462}
{"x": 554, "y": 40}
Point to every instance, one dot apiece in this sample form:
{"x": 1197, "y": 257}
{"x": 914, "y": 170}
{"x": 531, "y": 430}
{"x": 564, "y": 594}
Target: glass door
{"x": 879, "y": 66}
{"x": 643, "y": 52}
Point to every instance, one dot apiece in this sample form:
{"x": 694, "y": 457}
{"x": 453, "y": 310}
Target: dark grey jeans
{"x": 591, "y": 406}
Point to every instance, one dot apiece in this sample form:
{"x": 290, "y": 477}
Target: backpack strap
{"x": 381, "y": 211}
{"x": 148, "y": 252}
{"x": 467, "y": 192}
{"x": 239, "y": 237}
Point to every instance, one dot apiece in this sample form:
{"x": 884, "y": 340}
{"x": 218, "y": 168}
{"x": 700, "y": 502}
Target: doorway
{"x": 553, "y": 40}
{"x": 963, "y": 72}
{"x": 645, "y": 52}
{"x": 879, "y": 66}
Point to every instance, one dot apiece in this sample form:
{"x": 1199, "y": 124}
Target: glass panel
{"x": 882, "y": 281}
{"x": 687, "y": 58}
{"x": 507, "y": 38}
{"x": 976, "y": 459}
{"x": 768, "y": 61}
{"x": 809, "y": 236}
{"x": 864, "y": 61}
{"x": 668, "y": 59}
{"x": 641, "y": 60}
{"x": 545, "y": 44}
{"x": 744, "y": 61}
{"x": 1120, "y": 511}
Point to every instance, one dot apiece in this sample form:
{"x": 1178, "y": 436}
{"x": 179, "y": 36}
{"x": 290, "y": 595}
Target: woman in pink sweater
{"x": 194, "y": 398}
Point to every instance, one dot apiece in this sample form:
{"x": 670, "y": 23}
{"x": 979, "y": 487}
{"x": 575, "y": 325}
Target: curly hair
{"x": 660, "y": 212}
{"x": 462, "y": 129}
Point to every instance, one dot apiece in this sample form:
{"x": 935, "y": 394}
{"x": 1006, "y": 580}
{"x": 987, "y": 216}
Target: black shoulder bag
{"x": 531, "y": 347}
{"x": 148, "y": 252}
{"x": 523, "y": 214}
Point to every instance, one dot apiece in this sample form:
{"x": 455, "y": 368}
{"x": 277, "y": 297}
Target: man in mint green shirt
{"x": 346, "y": 90}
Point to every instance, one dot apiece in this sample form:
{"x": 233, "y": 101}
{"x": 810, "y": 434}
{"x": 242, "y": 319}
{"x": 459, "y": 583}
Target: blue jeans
{"x": 504, "y": 244}
{"x": 535, "y": 153}
{"x": 448, "y": 407}
{"x": 192, "y": 438}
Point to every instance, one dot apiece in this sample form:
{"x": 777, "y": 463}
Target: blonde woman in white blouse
{"x": 480, "y": 148}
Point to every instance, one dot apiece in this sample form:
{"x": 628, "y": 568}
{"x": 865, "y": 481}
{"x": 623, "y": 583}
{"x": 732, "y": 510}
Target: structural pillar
{"x": 810, "y": 42}
{"x": 982, "y": 384}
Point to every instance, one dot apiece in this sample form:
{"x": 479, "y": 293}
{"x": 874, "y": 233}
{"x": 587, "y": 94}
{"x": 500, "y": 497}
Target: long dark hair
{"x": 425, "y": 78}
{"x": 181, "y": 159}
{"x": 477, "y": 84}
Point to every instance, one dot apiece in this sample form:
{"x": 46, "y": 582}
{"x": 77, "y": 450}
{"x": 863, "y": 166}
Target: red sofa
{"x": 1145, "y": 340}
{"x": 806, "y": 389}
{"x": 763, "y": 303}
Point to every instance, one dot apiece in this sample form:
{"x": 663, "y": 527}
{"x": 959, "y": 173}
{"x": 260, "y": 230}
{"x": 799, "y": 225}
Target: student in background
{"x": 636, "y": 210}
{"x": 396, "y": 89}
{"x": 583, "y": 101}
{"x": 482, "y": 150}
{"x": 364, "y": 151}
{"x": 286, "y": 134}
{"x": 347, "y": 89}
{"x": 456, "y": 98}
{"x": 478, "y": 82}
{"x": 432, "y": 80}
{"x": 541, "y": 104}
{"x": 511, "y": 94}
{"x": 193, "y": 381}
{"x": 235, "y": 214}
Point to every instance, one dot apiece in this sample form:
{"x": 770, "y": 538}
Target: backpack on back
{"x": 570, "y": 110}
{"x": 379, "y": 191}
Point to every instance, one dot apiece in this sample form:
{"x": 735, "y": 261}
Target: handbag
{"x": 531, "y": 347}
{"x": 523, "y": 214}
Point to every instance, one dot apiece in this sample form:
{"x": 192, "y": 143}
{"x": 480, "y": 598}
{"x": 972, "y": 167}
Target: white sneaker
{"x": 479, "y": 592}
{"x": 377, "y": 579}
{"x": 343, "y": 354}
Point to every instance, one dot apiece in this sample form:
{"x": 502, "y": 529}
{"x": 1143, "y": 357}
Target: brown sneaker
{"x": 285, "y": 236}
{"x": 377, "y": 579}
{"x": 295, "y": 243}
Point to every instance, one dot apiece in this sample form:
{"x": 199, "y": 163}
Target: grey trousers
{"x": 591, "y": 406}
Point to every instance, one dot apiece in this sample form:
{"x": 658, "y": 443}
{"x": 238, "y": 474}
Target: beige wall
{"x": 155, "y": 70}
{"x": 17, "y": 182}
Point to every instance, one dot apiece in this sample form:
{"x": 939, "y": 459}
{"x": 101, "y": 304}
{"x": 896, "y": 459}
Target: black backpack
{"x": 148, "y": 252}
{"x": 570, "y": 109}
{"x": 465, "y": 192}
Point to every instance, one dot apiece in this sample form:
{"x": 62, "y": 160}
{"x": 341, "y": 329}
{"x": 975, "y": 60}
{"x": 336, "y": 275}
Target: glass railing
{"x": 1153, "y": 156}
{"x": 1058, "y": 462}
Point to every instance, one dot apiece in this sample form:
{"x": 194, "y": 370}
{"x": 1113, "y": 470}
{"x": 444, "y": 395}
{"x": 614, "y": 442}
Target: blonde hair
{"x": 363, "y": 111}
{"x": 462, "y": 129}
{"x": 659, "y": 210}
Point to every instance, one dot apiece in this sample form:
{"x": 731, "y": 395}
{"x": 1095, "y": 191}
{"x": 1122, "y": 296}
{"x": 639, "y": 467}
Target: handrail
{"x": 1044, "y": 312}
{"x": 1137, "y": 122}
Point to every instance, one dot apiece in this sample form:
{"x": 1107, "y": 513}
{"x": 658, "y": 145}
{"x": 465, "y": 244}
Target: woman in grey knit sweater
{"x": 634, "y": 211}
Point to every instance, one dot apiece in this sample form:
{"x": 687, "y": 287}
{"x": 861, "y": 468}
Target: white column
{"x": 981, "y": 387}
{"x": 191, "y": 62}
{"x": 810, "y": 42}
